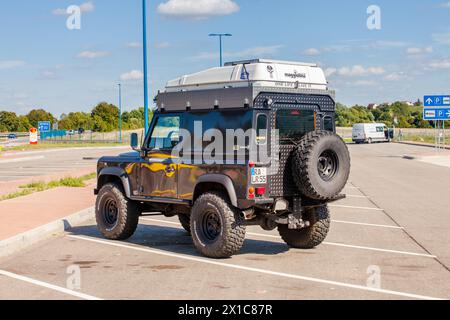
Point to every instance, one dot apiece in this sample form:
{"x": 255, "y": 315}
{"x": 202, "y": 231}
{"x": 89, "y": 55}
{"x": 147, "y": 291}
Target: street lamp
{"x": 144, "y": 45}
{"x": 120, "y": 112}
{"x": 220, "y": 35}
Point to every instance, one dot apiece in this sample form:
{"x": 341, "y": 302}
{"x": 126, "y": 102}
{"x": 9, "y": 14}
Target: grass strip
{"x": 34, "y": 187}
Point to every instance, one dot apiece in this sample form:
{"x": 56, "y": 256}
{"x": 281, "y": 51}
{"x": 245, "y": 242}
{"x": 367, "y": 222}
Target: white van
{"x": 372, "y": 132}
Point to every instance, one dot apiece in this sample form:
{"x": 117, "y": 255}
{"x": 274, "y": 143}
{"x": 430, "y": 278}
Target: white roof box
{"x": 256, "y": 73}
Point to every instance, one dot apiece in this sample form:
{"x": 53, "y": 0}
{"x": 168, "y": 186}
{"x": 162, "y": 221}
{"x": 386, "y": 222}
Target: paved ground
{"x": 395, "y": 221}
{"x": 20, "y": 165}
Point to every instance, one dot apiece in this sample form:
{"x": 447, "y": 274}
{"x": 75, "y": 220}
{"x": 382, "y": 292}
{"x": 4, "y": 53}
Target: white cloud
{"x": 312, "y": 52}
{"x": 255, "y": 52}
{"x": 132, "y": 76}
{"x": 414, "y": 51}
{"x": 93, "y": 54}
{"x": 48, "y": 75}
{"x": 440, "y": 64}
{"x": 330, "y": 71}
{"x": 396, "y": 76}
{"x": 442, "y": 38}
{"x": 446, "y": 5}
{"x": 364, "y": 83}
{"x": 10, "y": 64}
{"x": 162, "y": 45}
{"x": 134, "y": 45}
{"x": 197, "y": 9}
{"x": 84, "y": 7}
{"x": 359, "y": 71}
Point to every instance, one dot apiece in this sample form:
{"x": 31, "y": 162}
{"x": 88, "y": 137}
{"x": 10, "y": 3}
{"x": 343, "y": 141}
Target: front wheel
{"x": 217, "y": 228}
{"x": 311, "y": 237}
{"x": 117, "y": 217}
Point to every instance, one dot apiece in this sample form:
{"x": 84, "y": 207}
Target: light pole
{"x": 220, "y": 35}
{"x": 144, "y": 45}
{"x": 120, "y": 112}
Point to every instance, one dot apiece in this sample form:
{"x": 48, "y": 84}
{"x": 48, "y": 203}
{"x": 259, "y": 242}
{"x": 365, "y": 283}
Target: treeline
{"x": 103, "y": 118}
{"x": 407, "y": 116}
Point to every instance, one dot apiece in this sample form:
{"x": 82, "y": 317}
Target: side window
{"x": 380, "y": 129}
{"x": 166, "y": 133}
{"x": 261, "y": 129}
{"x": 328, "y": 124}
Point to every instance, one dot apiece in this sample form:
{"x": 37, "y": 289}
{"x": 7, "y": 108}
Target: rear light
{"x": 251, "y": 193}
{"x": 251, "y": 164}
{"x": 260, "y": 191}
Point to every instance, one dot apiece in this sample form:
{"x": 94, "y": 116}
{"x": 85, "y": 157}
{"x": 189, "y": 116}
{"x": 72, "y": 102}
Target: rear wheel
{"x": 311, "y": 237}
{"x": 185, "y": 221}
{"x": 217, "y": 228}
{"x": 117, "y": 217}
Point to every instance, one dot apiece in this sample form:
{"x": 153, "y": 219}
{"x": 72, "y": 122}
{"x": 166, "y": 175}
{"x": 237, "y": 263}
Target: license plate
{"x": 259, "y": 175}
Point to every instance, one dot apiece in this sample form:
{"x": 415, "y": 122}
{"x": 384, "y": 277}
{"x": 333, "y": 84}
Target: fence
{"x": 425, "y": 135}
{"x": 89, "y": 137}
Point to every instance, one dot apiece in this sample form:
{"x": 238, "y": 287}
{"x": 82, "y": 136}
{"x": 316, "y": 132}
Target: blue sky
{"x": 43, "y": 64}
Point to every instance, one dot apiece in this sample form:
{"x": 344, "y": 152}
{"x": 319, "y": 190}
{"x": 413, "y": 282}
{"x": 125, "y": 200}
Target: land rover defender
{"x": 280, "y": 175}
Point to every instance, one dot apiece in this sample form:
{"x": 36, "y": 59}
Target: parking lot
{"x": 390, "y": 239}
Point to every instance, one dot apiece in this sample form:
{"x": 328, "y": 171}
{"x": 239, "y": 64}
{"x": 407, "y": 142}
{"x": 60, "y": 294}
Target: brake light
{"x": 251, "y": 164}
{"x": 260, "y": 191}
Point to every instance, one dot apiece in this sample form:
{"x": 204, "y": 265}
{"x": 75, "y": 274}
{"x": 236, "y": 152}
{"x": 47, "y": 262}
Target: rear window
{"x": 294, "y": 124}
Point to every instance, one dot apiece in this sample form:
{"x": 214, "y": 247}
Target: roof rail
{"x": 268, "y": 61}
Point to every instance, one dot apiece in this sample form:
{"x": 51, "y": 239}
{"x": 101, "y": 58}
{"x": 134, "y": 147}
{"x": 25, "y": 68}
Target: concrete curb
{"x": 29, "y": 238}
{"x": 418, "y": 144}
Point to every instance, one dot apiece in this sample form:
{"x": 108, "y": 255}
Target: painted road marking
{"x": 255, "y": 270}
{"x": 354, "y": 247}
{"x": 368, "y": 224}
{"x": 22, "y": 159}
{"x": 48, "y": 286}
{"x": 334, "y": 221}
{"x": 355, "y": 196}
{"x": 325, "y": 243}
{"x": 352, "y": 207}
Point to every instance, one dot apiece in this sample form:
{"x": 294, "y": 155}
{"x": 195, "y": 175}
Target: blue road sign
{"x": 44, "y": 126}
{"x": 436, "y": 101}
{"x": 436, "y": 114}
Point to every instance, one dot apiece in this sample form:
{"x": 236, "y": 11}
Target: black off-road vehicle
{"x": 306, "y": 165}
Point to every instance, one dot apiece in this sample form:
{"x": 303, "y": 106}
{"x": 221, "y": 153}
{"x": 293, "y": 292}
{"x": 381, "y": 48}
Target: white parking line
{"x": 325, "y": 243}
{"x": 249, "y": 269}
{"x": 22, "y": 159}
{"x": 368, "y": 224}
{"x": 353, "y": 247}
{"x": 48, "y": 286}
{"x": 352, "y": 207}
{"x": 355, "y": 196}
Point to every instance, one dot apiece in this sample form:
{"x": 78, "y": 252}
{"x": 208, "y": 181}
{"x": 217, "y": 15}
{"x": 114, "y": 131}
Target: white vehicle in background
{"x": 372, "y": 132}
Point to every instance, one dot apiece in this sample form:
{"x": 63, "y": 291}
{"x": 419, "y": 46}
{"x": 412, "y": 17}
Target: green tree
{"x": 105, "y": 117}
{"x": 34, "y": 116}
{"x": 9, "y": 121}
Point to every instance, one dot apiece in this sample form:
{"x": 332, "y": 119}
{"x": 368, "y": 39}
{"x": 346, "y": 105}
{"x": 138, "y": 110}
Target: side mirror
{"x": 134, "y": 141}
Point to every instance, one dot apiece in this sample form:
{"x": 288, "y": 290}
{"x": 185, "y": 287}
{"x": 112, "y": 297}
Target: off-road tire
{"x": 231, "y": 232}
{"x": 185, "y": 221}
{"x": 305, "y": 165}
{"x": 312, "y": 236}
{"x": 128, "y": 213}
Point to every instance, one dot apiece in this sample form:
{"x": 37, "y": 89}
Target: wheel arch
{"x": 116, "y": 175}
{"x": 211, "y": 182}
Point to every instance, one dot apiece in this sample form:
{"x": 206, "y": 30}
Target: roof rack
{"x": 269, "y": 61}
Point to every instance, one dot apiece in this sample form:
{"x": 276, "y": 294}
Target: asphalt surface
{"x": 390, "y": 239}
{"x": 23, "y": 165}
